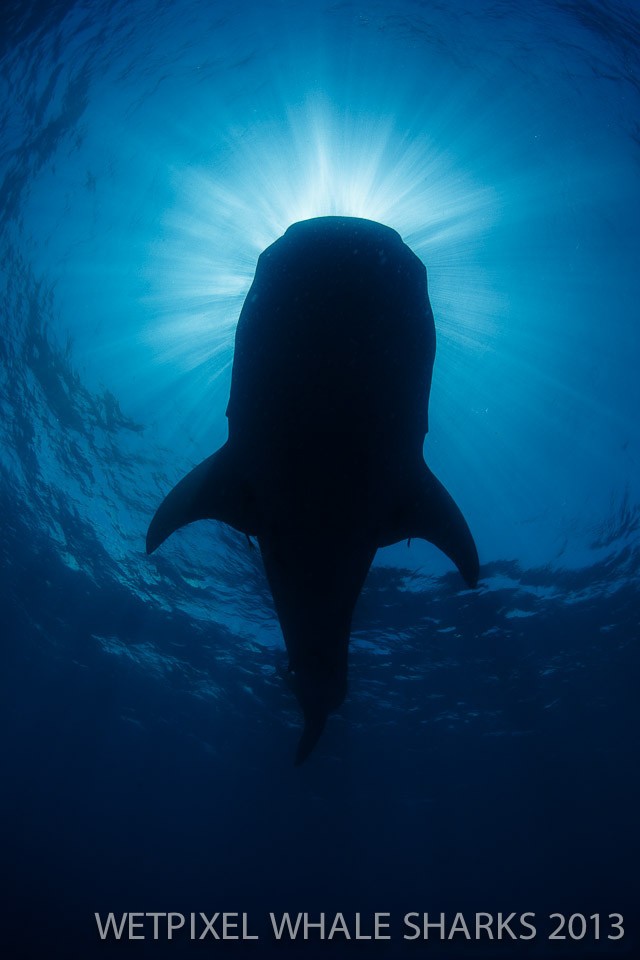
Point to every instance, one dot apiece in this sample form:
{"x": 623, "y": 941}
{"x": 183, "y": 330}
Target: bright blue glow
{"x": 317, "y": 164}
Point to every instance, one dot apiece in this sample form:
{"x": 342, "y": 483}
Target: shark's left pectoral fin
{"x": 430, "y": 513}
{"x": 214, "y": 490}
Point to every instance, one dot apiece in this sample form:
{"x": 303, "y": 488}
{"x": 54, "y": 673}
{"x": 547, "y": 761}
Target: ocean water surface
{"x": 487, "y": 756}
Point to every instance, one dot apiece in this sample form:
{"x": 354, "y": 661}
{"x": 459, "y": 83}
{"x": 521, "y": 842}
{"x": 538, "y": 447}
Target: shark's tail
{"x": 314, "y": 723}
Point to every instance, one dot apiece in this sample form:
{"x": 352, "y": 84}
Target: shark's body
{"x": 327, "y": 418}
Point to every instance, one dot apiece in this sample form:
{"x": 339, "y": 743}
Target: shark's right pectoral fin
{"x": 214, "y": 490}
{"x": 430, "y": 513}
{"x": 438, "y": 519}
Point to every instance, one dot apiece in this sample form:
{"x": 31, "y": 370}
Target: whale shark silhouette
{"x": 327, "y": 415}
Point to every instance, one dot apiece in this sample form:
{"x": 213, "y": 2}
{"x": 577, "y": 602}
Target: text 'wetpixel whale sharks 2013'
{"x": 330, "y": 386}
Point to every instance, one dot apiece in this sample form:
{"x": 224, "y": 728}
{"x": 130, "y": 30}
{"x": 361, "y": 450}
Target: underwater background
{"x": 487, "y": 756}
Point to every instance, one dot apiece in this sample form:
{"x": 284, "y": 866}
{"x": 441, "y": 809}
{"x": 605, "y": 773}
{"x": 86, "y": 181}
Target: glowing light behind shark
{"x": 327, "y": 417}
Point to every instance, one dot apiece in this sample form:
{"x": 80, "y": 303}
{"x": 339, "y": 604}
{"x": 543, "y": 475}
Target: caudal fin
{"x": 214, "y": 490}
{"x": 314, "y": 724}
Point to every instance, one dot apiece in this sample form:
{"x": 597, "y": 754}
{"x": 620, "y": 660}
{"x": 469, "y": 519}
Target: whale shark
{"x": 327, "y": 417}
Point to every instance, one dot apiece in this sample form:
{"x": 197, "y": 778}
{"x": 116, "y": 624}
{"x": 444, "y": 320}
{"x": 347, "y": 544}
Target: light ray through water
{"x": 215, "y": 234}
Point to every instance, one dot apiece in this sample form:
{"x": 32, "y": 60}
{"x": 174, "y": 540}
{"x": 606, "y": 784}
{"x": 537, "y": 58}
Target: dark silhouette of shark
{"x": 327, "y": 417}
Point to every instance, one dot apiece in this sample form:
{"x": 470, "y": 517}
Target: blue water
{"x": 487, "y": 756}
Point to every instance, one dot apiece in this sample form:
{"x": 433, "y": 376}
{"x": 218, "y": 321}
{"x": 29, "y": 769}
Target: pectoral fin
{"x": 214, "y": 490}
{"x": 431, "y": 513}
